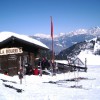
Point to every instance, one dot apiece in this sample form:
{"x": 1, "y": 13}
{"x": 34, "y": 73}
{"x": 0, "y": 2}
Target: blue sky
{"x": 33, "y": 16}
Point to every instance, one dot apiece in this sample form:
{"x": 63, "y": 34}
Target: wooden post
{"x": 20, "y": 72}
{"x": 40, "y": 68}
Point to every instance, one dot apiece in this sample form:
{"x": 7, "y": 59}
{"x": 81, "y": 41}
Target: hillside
{"x": 92, "y": 46}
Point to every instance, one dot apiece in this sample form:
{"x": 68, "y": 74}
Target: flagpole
{"x": 52, "y": 44}
{"x": 52, "y": 51}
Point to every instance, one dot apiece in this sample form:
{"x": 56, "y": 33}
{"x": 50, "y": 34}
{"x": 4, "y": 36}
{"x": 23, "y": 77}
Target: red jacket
{"x": 36, "y": 71}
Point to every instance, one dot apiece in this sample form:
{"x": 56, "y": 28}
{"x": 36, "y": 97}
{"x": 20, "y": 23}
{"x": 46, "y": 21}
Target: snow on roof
{"x": 6, "y": 35}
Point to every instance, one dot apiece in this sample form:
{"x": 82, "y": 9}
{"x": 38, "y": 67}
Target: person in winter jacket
{"x": 36, "y": 71}
{"x": 45, "y": 63}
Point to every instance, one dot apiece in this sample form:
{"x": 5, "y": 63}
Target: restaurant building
{"x": 17, "y": 50}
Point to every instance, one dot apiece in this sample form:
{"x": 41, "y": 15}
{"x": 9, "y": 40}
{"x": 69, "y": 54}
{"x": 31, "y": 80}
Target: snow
{"x": 6, "y": 35}
{"x": 91, "y": 58}
{"x": 61, "y": 61}
{"x": 43, "y": 35}
{"x": 38, "y": 88}
{"x": 59, "y": 45}
{"x": 80, "y": 31}
{"x": 46, "y": 36}
{"x": 35, "y": 89}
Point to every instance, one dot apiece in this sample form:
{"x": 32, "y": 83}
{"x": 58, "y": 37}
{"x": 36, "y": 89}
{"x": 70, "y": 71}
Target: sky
{"x": 33, "y": 16}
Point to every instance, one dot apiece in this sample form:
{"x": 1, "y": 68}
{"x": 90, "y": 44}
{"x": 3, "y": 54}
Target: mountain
{"x": 91, "y": 46}
{"x": 66, "y": 40}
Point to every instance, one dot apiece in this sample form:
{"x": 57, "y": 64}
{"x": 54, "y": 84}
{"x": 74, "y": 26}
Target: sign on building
{"x": 6, "y": 51}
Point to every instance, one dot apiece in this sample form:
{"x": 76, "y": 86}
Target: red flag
{"x": 51, "y": 28}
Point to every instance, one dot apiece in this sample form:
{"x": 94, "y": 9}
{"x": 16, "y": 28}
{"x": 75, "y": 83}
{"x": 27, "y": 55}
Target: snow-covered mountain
{"x": 89, "y": 47}
{"x": 65, "y": 40}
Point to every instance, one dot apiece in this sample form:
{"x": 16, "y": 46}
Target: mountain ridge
{"x": 92, "y": 31}
{"x": 65, "y": 40}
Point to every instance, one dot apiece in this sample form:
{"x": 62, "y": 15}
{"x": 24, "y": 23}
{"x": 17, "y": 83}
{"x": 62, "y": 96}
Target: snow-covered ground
{"x": 91, "y": 58}
{"x": 38, "y": 88}
{"x": 58, "y": 87}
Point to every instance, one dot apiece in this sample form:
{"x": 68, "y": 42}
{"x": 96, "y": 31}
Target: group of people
{"x": 42, "y": 65}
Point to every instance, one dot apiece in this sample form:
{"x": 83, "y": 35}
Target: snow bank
{"x": 91, "y": 58}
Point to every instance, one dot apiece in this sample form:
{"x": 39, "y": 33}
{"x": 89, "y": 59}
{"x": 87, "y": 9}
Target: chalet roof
{"x": 7, "y": 35}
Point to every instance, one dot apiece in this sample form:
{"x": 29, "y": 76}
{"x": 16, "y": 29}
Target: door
{"x": 10, "y": 64}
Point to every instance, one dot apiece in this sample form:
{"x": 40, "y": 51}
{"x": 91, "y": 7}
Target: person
{"x": 28, "y": 69}
{"x": 36, "y": 71}
{"x": 5, "y": 73}
{"x": 45, "y": 64}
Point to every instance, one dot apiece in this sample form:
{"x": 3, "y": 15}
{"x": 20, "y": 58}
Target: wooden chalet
{"x": 17, "y": 50}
